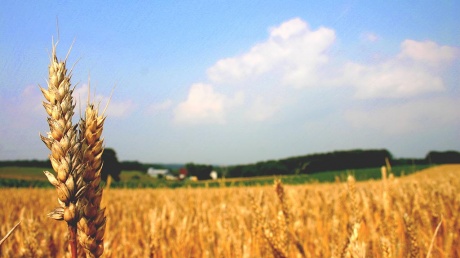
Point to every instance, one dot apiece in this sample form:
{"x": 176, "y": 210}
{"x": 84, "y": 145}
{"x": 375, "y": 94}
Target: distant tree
{"x": 443, "y": 157}
{"x": 111, "y": 166}
{"x": 26, "y": 163}
{"x": 235, "y": 171}
{"x": 271, "y": 167}
{"x": 313, "y": 163}
{"x": 249, "y": 170}
{"x": 132, "y": 165}
{"x": 200, "y": 171}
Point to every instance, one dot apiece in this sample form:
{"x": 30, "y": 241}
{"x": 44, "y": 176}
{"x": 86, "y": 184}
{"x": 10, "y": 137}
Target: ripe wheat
{"x": 64, "y": 144}
{"x": 91, "y": 227}
{"x": 76, "y": 159}
{"x": 224, "y": 222}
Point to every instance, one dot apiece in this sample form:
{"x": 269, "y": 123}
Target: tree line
{"x": 306, "y": 164}
{"x": 337, "y": 160}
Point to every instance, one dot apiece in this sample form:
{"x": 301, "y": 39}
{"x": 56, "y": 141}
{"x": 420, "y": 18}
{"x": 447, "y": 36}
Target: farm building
{"x": 157, "y": 172}
{"x": 183, "y": 173}
{"x": 163, "y": 173}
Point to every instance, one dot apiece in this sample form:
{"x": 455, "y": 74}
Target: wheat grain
{"x": 64, "y": 145}
{"x": 412, "y": 237}
{"x": 31, "y": 246}
{"x": 91, "y": 227}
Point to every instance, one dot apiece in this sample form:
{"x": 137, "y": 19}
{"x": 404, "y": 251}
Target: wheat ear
{"x": 353, "y": 247}
{"x": 63, "y": 142}
{"x": 412, "y": 237}
{"x": 284, "y": 221}
{"x": 91, "y": 227}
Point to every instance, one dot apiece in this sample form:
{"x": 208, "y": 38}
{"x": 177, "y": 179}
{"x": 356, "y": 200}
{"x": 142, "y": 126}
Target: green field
{"x": 34, "y": 177}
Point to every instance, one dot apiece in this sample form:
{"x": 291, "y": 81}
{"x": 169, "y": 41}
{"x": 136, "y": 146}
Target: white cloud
{"x": 32, "y": 98}
{"x": 262, "y": 109}
{"x": 115, "y": 108}
{"x": 428, "y": 52}
{"x": 289, "y": 29}
{"x": 390, "y": 80}
{"x": 291, "y": 56}
{"x": 158, "y": 107}
{"x": 273, "y": 73}
{"x": 408, "y": 74}
{"x": 23, "y": 110}
{"x": 409, "y": 117}
{"x": 370, "y": 37}
{"x": 203, "y": 105}
{"x": 293, "y": 52}
{"x": 120, "y": 109}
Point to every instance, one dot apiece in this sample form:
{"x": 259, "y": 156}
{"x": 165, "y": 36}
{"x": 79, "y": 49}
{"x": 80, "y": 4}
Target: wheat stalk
{"x": 91, "y": 227}
{"x": 62, "y": 140}
{"x": 9, "y": 233}
{"x": 285, "y": 219}
{"x": 278, "y": 233}
{"x": 433, "y": 238}
{"x": 353, "y": 247}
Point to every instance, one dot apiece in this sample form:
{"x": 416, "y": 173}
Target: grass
{"x": 24, "y": 173}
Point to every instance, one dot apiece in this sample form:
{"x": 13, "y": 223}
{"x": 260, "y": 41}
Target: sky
{"x": 236, "y": 82}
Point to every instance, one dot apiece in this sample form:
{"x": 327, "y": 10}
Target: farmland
{"x": 396, "y": 217}
{"x": 34, "y": 177}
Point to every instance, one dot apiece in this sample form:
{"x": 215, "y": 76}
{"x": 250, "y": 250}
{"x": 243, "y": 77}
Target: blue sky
{"x": 230, "y": 82}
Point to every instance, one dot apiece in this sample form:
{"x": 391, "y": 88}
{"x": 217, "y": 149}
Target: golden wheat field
{"x": 413, "y": 216}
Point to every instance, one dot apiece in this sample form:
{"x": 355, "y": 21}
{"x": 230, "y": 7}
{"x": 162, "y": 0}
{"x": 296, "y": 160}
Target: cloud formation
{"x": 407, "y": 117}
{"x": 203, "y": 105}
{"x": 415, "y": 70}
{"x": 293, "y": 51}
{"x": 428, "y": 52}
{"x": 295, "y": 60}
{"x": 158, "y": 107}
{"x": 289, "y": 58}
{"x": 115, "y": 108}
{"x": 263, "y": 109}
{"x": 22, "y": 110}
{"x": 370, "y": 37}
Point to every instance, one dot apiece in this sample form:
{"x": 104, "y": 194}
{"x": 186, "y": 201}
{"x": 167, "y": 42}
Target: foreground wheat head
{"x": 76, "y": 159}
{"x": 91, "y": 227}
{"x": 64, "y": 145}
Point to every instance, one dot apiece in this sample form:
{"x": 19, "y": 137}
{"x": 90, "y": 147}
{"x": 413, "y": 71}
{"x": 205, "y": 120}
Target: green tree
{"x": 271, "y": 167}
{"x": 202, "y": 172}
{"x": 443, "y": 157}
{"x": 110, "y": 166}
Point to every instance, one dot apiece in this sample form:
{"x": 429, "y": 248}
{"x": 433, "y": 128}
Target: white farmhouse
{"x": 157, "y": 172}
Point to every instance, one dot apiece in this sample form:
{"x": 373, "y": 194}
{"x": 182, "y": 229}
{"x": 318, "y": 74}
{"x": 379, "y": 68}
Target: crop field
{"x": 413, "y": 216}
{"x": 34, "y": 177}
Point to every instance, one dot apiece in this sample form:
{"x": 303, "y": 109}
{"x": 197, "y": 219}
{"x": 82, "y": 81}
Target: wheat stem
{"x": 432, "y": 239}
{"x": 9, "y": 233}
{"x": 73, "y": 239}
